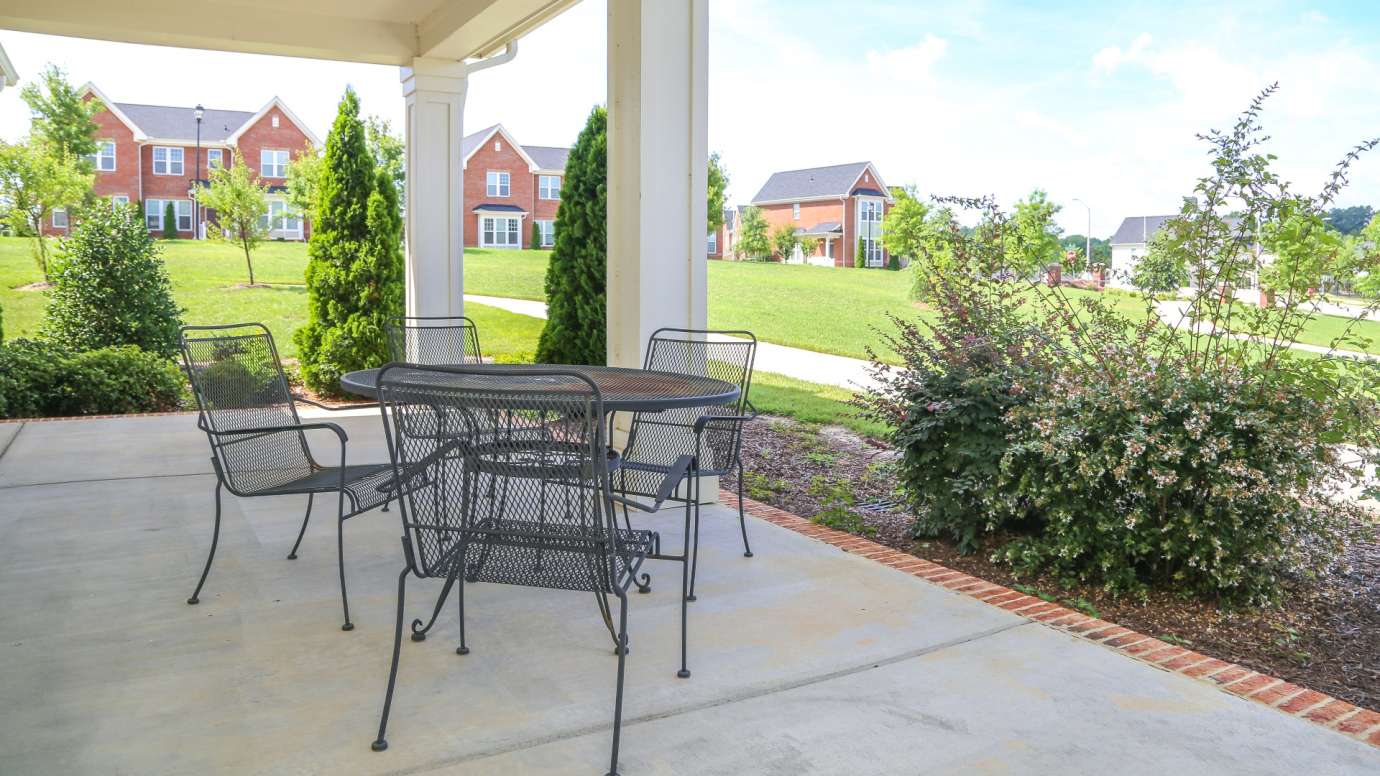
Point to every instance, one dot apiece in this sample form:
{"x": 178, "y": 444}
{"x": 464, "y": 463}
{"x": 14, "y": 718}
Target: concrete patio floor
{"x": 806, "y": 660}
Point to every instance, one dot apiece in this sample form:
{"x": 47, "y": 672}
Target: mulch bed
{"x": 1325, "y": 636}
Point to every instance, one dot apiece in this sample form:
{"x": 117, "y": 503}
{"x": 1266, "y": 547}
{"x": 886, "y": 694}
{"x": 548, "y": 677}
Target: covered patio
{"x": 806, "y": 659}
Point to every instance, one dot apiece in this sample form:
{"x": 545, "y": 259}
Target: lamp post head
{"x": 199, "y": 112}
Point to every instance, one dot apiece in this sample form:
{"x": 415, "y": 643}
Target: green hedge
{"x": 44, "y": 379}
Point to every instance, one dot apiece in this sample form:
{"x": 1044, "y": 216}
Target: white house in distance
{"x": 1129, "y": 245}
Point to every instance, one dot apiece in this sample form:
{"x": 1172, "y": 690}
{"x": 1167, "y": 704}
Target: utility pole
{"x": 1087, "y": 254}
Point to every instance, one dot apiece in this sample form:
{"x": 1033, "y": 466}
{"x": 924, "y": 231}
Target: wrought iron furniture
{"x": 258, "y": 442}
{"x": 712, "y": 435}
{"x": 435, "y": 340}
{"x": 504, "y": 473}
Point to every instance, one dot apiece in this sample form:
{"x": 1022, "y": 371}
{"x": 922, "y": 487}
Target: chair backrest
{"x": 436, "y": 341}
{"x": 239, "y": 384}
{"x": 504, "y": 471}
{"x": 724, "y": 355}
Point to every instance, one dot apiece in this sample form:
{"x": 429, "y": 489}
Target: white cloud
{"x": 1108, "y": 59}
{"x": 911, "y": 63}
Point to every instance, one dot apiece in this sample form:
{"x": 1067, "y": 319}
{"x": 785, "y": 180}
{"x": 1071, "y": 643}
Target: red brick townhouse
{"x": 509, "y": 187}
{"x": 836, "y": 205}
{"x": 149, "y": 154}
{"x": 720, "y": 242}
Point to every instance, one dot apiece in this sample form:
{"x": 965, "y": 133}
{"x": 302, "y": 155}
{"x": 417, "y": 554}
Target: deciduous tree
{"x": 60, "y": 116}
{"x": 1035, "y": 236}
{"x": 753, "y": 242}
{"x": 238, "y": 198}
{"x": 718, "y": 185}
{"x": 784, "y": 241}
{"x": 34, "y": 181}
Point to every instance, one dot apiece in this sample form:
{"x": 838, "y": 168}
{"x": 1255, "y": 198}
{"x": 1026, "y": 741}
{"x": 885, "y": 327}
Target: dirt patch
{"x": 239, "y": 286}
{"x": 1325, "y": 635}
{"x": 39, "y": 286}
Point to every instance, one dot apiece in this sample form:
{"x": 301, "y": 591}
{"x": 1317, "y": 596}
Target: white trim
{"x": 793, "y": 200}
{"x": 114, "y": 197}
{"x": 881, "y": 184}
{"x": 114, "y": 154}
{"x": 550, "y": 225}
{"x": 8, "y": 75}
{"x": 90, "y": 88}
{"x": 515, "y": 145}
{"x": 168, "y": 162}
{"x": 66, "y": 220}
{"x": 483, "y": 211}
{"x": 182, "y": 141}
{"x": 559, "y": 185}
{"x": 234, "y": 138}
{"x": 517, "y": 218}
{"x": 284, "y": 165}
{"x": 220, "y": 165}
{"x": 498, "y": 186}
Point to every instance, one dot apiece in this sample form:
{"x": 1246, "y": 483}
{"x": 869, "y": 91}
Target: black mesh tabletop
{"x": 622, "y": 389}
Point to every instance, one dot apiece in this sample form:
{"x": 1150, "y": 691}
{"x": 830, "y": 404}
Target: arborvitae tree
{"x": 536, "y": 235}
{"x": 575, "y": 275}
{"x": 355, "y": 268}
{"x": 169, "y": 221}
{"x": 860, "y": 258}
{"x": 110, "y": 287}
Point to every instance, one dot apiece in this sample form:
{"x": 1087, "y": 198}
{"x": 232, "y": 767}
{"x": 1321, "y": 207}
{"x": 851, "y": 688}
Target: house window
{"x": 104, "y": 158}
{"x": 713, "y": 246}
{"x": 549, "y": 186}
{"x": 281, "y": 219}
{"x": 167, "y": 161}
{"x": 870, "y": 230}
{"x": 275, "y": 121}
{"x": 118, "y": 201}
{"x": 795, "y": 211}
{"x": 273, "y": 164}
{"x": 155, "y": 208}
{"x": 548, "y": 233}
{"x": 497, "y": 184}
{"x": 500, "y": 232}
{"x": 498, "y": 146}
{"x": 59, "y": 218}
{"x": 215, "y": 159}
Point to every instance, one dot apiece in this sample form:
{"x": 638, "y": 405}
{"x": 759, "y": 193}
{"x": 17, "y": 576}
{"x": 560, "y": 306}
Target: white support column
{"x": 658, "y": 155}
{"x": 435, "y": 94}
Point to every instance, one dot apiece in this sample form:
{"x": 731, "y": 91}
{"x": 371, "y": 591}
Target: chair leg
{"x": 381, "y": 743}
{"x": 460, "y": 597}
{"x": 618, "y": 696}
{"x": 694, "y": 508}
{"x": 742, "y": 521}
{"x": 685, "y": 586}
{"x": 293, "y": 555}
{"x": 340, "y": 555}
{"x": 215, "y": 539}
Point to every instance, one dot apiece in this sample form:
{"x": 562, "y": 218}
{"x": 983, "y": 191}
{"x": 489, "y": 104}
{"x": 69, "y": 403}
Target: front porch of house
{"x": 805, "y": 659}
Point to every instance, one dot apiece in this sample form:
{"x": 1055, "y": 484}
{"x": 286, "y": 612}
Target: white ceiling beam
{"x": 459, "y": 31}
{"x": 218, "y": 26}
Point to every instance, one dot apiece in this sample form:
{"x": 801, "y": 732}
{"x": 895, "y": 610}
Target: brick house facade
{"x": 149, "y": 154}
{"x": 834, "y": 205}
{"x": 510, "y": 187}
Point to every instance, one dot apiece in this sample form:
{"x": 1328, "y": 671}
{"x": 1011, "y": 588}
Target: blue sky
{"x": 1099, "y": 101}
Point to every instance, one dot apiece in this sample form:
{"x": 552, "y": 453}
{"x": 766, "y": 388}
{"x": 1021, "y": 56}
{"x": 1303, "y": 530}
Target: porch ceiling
{"x": 382, "y": 32}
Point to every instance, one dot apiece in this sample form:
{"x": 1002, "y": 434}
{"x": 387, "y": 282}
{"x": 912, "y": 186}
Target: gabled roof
{"x": 823, "y": 229}
{"x": 166, "y": 122}
{"x": 815, "y": 183}
{"x": 8, "y": 75}
{"x": 538, "y": 158}
{"x": 1138, "y": 229}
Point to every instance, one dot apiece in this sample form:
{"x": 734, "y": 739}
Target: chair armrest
{"x": 365, "y": 406}
{"x": 266, "y": 430}
{"x": 409, "y": 473}
{"x": 707, "y": 420}
{"x": 668, "y": 485}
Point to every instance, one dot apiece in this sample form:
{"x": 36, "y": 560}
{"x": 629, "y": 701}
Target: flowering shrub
{"x": 1198, "y": 455}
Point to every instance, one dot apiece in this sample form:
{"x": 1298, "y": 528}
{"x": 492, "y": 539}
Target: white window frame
{"x": 546, "y": 189}
{"x": 547, "y": 227}
{"x": 498, "y": 183}
{"x": 119, "y": 200}
{"x": 99, "y": 158}
{"x": 870, "y": 212}
{"x": 489, "y": 232}
{"x": 173, "y": 163}
{"x": 218, "y": 155}
{"x": 273, "y": 162}
{"x": 60, "y": 223}
{"x": 795, "y": 211}
{"x": 285, "y": 223}
{"x": 712, "y": 244}
{"x": 182, "y": 212}
{"x": 153, "y": 208}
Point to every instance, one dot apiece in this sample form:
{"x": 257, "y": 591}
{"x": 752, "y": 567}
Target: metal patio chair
{"x": 505, "y": 477}
{"x": 259, "y": 444}
{"x": 434, "y": 340}
{"x": 711, "y": 436}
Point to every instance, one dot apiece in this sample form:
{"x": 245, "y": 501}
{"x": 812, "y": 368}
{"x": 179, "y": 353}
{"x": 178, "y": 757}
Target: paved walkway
{"x": 1174, "y": 312}
{"x": 799, "y": 363}
{"x": 807, "y": 660}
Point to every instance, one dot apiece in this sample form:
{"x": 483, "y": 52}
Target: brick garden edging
{"x": 1354, "y": 721}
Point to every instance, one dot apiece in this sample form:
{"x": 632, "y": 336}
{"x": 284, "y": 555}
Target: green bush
{"x": 355, "y": 265}
{"x": 1215, "y": 484}
{"x": 169, "y": 221}
{"x": 44, "y": 379}
{"x": 110, "y": 287}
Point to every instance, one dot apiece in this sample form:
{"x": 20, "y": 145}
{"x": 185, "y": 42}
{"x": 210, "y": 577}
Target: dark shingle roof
{"x": 1138, "y": 229}
{"x": 169, "y": 123}
{"x": 821, "y": 229}
{"x": 546, "y": 157}
{"x": 812, "y": 182}
{"x": 498, "y": 208}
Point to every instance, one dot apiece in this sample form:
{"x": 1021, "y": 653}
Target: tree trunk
{"x": 248, "y": 262}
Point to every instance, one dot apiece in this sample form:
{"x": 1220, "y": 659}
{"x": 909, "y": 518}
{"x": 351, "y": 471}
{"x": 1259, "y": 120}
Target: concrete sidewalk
{"x": 806, "y": 660}
{"x": 825, "y": 368}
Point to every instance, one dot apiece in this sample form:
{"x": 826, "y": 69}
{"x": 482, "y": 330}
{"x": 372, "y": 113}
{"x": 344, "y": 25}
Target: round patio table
{"x": 621, "y": 389}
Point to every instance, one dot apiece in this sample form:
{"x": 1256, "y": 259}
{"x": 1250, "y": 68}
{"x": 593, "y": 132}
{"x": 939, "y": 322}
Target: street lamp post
{"x": 1087, "y": 251}
{"x": 196, "y": 182}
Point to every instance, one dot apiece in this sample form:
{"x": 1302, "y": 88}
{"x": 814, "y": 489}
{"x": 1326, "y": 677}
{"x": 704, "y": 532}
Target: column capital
{"x": 433, "y": 75}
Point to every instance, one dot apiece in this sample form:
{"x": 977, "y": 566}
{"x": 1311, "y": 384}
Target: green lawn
{"x": 207, "y": 280}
